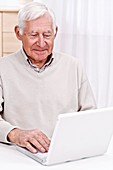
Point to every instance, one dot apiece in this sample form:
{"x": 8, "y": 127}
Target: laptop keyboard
{"x": 41, "y": 155}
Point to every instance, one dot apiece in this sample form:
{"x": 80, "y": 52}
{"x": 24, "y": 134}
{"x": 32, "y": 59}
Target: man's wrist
{"x": 11, "y": 135}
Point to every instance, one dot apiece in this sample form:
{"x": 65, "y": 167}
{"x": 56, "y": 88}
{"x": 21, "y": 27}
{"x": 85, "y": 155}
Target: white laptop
{"x": 77, "y": 135}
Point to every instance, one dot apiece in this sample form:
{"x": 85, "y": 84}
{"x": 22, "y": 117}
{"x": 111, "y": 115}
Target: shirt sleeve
{"x": 86, "y": 100}
{"x": 5, "y": 127}
{"x": 86, "y": 97}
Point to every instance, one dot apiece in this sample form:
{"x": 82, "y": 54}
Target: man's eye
{"x": 47, "y": 35}
{"x": 33, "y": 35}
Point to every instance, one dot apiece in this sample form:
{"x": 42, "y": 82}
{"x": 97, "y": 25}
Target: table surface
{"x": 11, "y": 159}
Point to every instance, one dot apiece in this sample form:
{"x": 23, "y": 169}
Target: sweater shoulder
{"x": 67, "y": 59}
{"x": 65, "y": 55}
{"x": 72, "y": 64}
{"x": 9, "y": 59}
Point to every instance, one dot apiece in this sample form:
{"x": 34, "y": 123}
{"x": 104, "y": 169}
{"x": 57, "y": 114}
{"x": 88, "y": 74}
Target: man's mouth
{"x": 40, "y": 50}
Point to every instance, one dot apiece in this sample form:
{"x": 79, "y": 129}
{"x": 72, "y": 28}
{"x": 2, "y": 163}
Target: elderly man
{"x": 37, "y": 84}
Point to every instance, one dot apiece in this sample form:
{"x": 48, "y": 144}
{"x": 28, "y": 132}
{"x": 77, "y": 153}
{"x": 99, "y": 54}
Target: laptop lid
{"x": 79, "y": 135}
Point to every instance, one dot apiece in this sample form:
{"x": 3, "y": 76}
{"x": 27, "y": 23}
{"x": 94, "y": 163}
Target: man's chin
{"x": 40, "y": 53}
{"x": 39, "y": 57}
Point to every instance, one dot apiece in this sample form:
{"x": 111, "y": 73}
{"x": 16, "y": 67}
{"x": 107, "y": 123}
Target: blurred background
{"x": 86, "y": 32}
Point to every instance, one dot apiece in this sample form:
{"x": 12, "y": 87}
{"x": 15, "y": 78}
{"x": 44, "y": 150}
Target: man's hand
{"x": 33, "y": 140}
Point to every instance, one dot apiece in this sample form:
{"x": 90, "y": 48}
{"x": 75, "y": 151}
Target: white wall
{"x": 86, "y": 32}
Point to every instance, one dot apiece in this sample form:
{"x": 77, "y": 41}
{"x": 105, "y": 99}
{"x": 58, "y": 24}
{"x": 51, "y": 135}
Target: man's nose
{"x": 41, "y": 41}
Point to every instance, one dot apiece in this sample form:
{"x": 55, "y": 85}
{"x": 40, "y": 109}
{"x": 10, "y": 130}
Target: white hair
{"x": 32, "y": 11}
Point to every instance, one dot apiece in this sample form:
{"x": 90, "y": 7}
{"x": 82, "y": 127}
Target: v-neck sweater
{"x": 29, "y": 99}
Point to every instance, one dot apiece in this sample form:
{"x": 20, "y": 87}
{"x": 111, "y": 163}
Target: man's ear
{"x": 17, "y": 32}
{"x": 56, "y": 30}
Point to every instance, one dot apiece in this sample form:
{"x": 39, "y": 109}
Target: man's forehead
{"x": 39, "y": 23}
